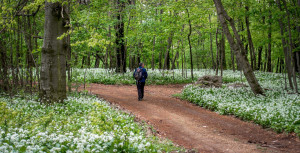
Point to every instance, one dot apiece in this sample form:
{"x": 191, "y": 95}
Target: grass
{"x": 82, "y": 124}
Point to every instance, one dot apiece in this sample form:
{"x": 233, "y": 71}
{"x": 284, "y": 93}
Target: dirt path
{"x": 192, "y": 126}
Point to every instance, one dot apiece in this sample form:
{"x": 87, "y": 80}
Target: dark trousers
{"x": 140, "y": 87}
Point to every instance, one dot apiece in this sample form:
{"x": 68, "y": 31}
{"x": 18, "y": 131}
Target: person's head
{"x": 141, "y": 65}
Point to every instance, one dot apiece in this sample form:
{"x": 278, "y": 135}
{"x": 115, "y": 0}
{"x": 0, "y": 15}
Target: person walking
{"x": 140, "y": 75}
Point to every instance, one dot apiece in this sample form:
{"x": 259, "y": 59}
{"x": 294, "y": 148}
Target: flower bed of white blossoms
{"x": 278, "y": 109}
{"x": 82, "y": 124}
{"x": 105, "y": 76}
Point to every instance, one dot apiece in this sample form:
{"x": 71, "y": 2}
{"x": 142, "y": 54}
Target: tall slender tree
{"x": 189, "y": 39}
{"x": 120, "y": 43}
{"x": 251, "y": 46}
{"x": 237, "y": 47}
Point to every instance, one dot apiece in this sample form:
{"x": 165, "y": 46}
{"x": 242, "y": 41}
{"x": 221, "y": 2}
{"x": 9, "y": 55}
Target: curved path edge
{"x": 194, "y": 127}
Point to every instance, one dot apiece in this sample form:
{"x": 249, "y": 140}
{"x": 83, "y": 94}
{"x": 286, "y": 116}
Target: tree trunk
{"x": 29, "y": 59}
{"x": 190, "y": 45}
{"x": 97, "y": 60}
{"x": 120, "y": 45}
{"x": 218, "y": 52}
{"x": 153, "y": 51}
{"x": 18, "y": 52}
{"x": 292, "y": 46}
{"x": 53, "y": 62}
{"x": 222, "y": 51}
{"x": 175, "y": 57}
{"x": 269, "y": 65}
{"x": 197, "y": 53}
{"x": 139, "y": 51}
{"x": 297, "y": 61}
{"x": 106, "y": 59}
{"x": 37, "y": 67}
{"x": 281, "y": 66}
{"x": 252, "y": 51}
{"x": 4, "y": 73}
{"x": 241, "y": 29}
{"x": 237, "y": 47}
{"x": 211, "y": 45}
{"x": 133, "y": 62}
{"x": 232, "y": 60}
{"x": 287, "y": 57}
{"x": 69, "y": 53}
{"x": 83, "y": 61}
{"x": 28, "y": 41}
{"x": 12, "y": 67}
{"x": 278, "y": 65}
{"x": 160, "y": 56}
{"x": 21, "y": 65}
{"x": 88, "y": 59}
{"x": 167, "y": 54}
{"x": 182, "y": 52}
{"x": 259, "y": 64}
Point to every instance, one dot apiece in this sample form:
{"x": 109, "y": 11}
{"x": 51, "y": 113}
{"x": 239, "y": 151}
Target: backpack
{"x": 138, "y": 74}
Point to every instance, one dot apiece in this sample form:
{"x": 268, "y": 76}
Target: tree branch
{"x": 33, "y": 14}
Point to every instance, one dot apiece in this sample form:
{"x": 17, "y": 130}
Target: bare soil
{"x": 193, "y": 127}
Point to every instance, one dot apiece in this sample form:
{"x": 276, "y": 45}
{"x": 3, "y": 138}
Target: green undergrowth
{"x": 83, "y": 123}
{"x": 278, "y": 109}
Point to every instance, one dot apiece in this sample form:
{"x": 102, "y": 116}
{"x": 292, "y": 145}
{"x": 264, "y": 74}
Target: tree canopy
{"x": 164, "y": 34}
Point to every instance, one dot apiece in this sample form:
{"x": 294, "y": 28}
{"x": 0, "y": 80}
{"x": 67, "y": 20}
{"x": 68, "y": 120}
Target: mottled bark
{"x": 53, "y": 62}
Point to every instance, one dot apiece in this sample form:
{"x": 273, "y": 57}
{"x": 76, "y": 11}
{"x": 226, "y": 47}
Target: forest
{"x": 65, "y": 64}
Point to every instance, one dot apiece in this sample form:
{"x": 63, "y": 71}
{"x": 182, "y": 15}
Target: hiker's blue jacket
{"x": 144, "y": 74}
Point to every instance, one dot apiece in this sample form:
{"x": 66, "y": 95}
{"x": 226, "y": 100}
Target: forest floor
{"x": 191, "y": 126}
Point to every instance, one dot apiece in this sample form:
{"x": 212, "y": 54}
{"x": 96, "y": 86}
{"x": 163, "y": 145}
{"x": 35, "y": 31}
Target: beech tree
{"x": 54, "y": 50}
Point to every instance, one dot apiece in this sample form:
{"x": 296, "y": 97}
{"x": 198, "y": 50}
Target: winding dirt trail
{"x": 194, "y": 127}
